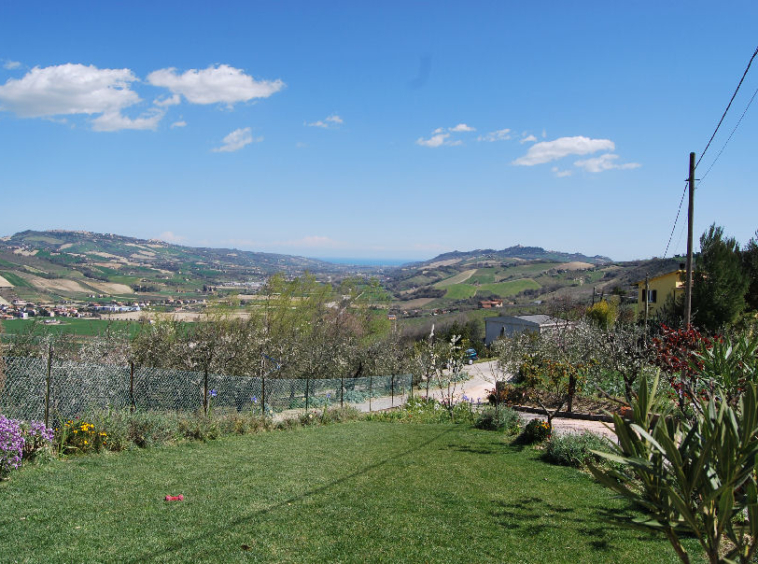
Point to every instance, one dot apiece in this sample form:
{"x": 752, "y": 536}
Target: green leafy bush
{"x": 576, "y": 449}
{"x": 503, "y": 419}
{"x": 536, "y": 431}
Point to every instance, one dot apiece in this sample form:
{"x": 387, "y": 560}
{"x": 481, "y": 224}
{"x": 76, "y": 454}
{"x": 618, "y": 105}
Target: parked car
{"x": 471, "y": 355}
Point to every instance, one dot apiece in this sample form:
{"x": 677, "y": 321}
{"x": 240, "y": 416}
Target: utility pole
{"x": 690, "y": 220}
{"x": 647, "y": 301}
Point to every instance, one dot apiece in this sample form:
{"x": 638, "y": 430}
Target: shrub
{"x": 503, "y": 419}
{"x": 576, "y": 449}
{"x": 80, "y": 436}
{"x": 20, "y": 441}
{"x": 11, "y": 445}
{"x": 536, "y": 431}
{"x": 508, "y": 395}
{"x": 38, "y": 438}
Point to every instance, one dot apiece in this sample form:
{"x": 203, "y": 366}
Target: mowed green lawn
{"x": 353, "y": 492}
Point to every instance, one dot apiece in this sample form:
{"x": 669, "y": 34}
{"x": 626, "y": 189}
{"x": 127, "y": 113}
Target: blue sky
{"x": 392, "y": 130}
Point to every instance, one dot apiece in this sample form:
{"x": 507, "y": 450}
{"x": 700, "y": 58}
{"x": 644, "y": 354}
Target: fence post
{"x": 263, "y": 396}
{"x": 47, "y": 384}
{"x": 392, "y": 388}
{"x": 342, "y": 391}
{"x": 133, "y": 405}
{"x": 307, "y": 392}
{"x": 205, "y": 392}
{"x": 370, "y": 391}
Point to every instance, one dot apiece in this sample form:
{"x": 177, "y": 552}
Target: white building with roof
{"x": 506, "y": 326}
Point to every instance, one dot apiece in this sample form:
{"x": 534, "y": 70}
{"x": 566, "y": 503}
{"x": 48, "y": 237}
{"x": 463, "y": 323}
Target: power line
{"x": 715, "y": 131}
{"x": 673, "y": 229}
{"x": 729, "y": 105}
{"x": 739, "y": 121}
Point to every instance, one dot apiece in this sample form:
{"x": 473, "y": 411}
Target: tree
{"x": 719, "y": 283}
{"x": 750, "y": 268}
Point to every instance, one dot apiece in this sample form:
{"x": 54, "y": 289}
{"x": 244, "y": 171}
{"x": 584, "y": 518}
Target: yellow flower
{"x": 85, "y": 442}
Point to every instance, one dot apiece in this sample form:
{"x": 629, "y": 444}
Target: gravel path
{"x": 483, "y": 377}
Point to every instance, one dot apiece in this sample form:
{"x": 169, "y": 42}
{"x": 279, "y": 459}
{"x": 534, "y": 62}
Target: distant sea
{"x": 367, "y": 261}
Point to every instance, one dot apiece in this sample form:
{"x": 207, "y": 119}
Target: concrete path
{"x": 482, "y": 379}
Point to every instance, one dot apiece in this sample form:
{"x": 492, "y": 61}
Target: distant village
{"x": 20, "y": 309}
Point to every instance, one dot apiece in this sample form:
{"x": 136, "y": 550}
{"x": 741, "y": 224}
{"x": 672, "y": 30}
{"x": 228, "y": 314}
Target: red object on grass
{"x": 179, "y": 497}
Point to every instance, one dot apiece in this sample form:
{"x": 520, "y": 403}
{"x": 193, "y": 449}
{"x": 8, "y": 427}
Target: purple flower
{"x": 11, "y": 444}
{"x": 213, "y": 393}
{"x": 254, "y": 399}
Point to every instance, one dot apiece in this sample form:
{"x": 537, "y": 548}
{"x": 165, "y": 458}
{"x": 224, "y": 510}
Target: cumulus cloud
{"x": 462, "y": 127}
{"x": 115, "y": 121}
{"x": 69, "y": 89}
{"x": 168, "y": 101}
{"x": 547, "y": 151}
{"x": 236, "y": 140}
{"x": 72, "y": 89}
{"x": 499, "y": 135}
{"x": 179, "y": 124}
{"x": 11, "y": 65}
{"x": 528, "y": 139}
{"x": 561, "y": 173}
{"x": 436, "y": 140}
{"x": 216, "y": 84}
{"x": 327, "y": 123}
{"x": 604, "y": 162}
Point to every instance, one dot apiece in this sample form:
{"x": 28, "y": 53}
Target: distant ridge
{"x": 519, "y": 252}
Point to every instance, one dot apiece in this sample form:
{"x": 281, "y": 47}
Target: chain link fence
{"x": 41, "y": 389}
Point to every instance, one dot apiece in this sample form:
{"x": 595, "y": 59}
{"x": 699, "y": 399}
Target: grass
{"x": 15, "y": 279}
{"x": 460, "y": 292}
{"x": 511, "y": 288}
{"x": 457, "y": 279}
{"x": 353, "y": 492}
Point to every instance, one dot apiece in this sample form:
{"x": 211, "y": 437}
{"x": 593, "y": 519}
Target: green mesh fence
{"x": 76, "y": 388}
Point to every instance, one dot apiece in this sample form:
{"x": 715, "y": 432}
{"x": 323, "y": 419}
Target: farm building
{"x": 505, "y": 326}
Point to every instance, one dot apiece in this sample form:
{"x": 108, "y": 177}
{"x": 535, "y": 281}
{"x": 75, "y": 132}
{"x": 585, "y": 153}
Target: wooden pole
{"x": 133, "y": 405}
{"x": 263, "y": 396}
{"x": 47, "y": 384}
{"x": 690, "y": 221}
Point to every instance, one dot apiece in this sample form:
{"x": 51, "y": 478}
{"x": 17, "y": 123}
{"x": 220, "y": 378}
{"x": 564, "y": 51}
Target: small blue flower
{"x": 328, "y": 396}
{"x": 254, "y": 399}
{"x": 213, "y": 393}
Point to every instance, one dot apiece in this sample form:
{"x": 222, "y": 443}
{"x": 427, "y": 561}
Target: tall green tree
{"x": 750, "y": 267}
{"x": 719, "y": 282}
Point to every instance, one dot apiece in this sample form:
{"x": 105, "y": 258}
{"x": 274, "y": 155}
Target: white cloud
{"x": 604, "y": 162}
{"x": 216, "y": 84}
{"x": 115, "y": 121}
{"x": 236, "y": 140}
{"x": 434, "y": 141}
{"x": 11, "y": 65}
{"x": 499, "y": 135}
{"x": 179, "y": 124}
{"x": 170, "y": 237}
{"x": 69, "y": 89}
{"x": 331, "y": 121}
{"x": 462, "y": 127}
{"x": 168, "y": 101}
{"x": 528, "y": 139}
{"x": 547, "y": 151}
{"x": 561, "y": 173}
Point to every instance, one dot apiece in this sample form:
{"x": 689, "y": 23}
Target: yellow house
{"x": 660, "y": 288}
